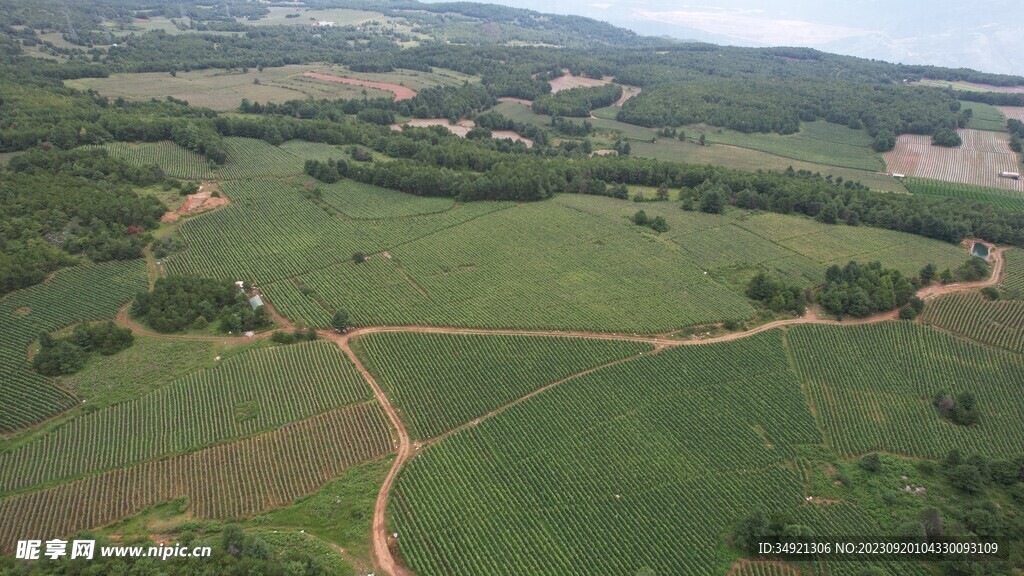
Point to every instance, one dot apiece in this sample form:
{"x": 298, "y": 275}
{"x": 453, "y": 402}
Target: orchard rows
{"x": 998, "y": 323}
{"x": 872, "y": 388}
{"x": 441, "y": 381}
{"x": 175, "y": 161}
{"x": 228, "y": 481}
{"x": 251, "y": 392}
{"x": 978, "y": 161}
{"x": 72, "y": 295}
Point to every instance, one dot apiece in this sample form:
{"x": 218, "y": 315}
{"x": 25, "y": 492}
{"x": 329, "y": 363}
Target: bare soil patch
{"x": 400, "y": 92}
{"x": 199, "y": 202}
{"x": 462, "y": 127}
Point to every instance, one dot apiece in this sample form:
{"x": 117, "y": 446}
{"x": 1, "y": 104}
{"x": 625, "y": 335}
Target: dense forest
{"x": 746, "y": 89}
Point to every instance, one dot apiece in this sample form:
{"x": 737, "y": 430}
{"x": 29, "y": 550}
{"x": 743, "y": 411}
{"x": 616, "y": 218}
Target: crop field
{"x": 242, "y": 396}
{"x": 313, "y": 150}
{"x": 736, "y": 246}
{"x": 1013, "y": 277}
{"x": 817, "y": 142}
{"x": 270, "y": 231}
{"x": 818, "y": 147}
{"x": 999, "y": 323}
{"x": 441, "y": 381}
{"x": 219, "y": 89}
{"x": 277, "y": 16}
{"x": 470, "y": 275}
{"x": 224, "y": 482}
{"x": 251, "y": 158}
{"x": 412, "y": 79}
{"x": 368, "y": 202}
{"x": 72, "y": 295}
{"x": 978, "y": 161}
{"x": 619, "y": 467}
{"x": 174, "y": 160}
{"x": 884, "y": 404}
{"x": 1016, "y": 112}
{"x": 1006, "y": 199}
{"x": 984, "y": 117}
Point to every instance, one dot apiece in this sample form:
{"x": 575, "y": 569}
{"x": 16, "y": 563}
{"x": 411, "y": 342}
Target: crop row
{"x": 251, "y": 158}
{"x": 639, "y": 465}
{"x": 979, "y": 161}
{"x": 72, "y": 295}
{"x": 564, "y": 269}
{"x": 872, "y": 388}
{"x": 270, "y": 231}
{"x": 174, "y": 160}
{"x": 365, "y": 201}
{"x": 245, "y": 394}
{"x": 228, "y": 481}
{"x": 998, "y": 323}
{"x": 440, "y": 381}
{"x": 996, "y": 197}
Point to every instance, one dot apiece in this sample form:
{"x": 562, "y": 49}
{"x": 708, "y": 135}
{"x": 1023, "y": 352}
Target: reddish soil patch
{"x": 522, "y": 101}
{"x": 400, "y": 92}
{"x": 199, "y": 202}
{"x": 569, "y": 81}
{"x": 510, "y": 135}
{"x": 627, "y": 93}
{"x": 979, "y": 160}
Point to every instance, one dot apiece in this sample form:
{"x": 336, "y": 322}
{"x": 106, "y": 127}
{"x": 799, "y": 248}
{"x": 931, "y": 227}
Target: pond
{"x": 980, "y": 250}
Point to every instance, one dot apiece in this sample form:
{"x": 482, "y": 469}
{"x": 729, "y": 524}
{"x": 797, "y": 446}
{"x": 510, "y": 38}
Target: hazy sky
{"x": 983, "y": 34}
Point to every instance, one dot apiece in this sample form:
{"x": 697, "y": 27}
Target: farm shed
{"x": 255, "y": 301}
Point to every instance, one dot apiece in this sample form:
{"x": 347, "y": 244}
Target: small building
{"x": 898, "y": 175}
{"x": 325, "y": 24}
{"x": 1010, "y": 175}
{"x": 255, "y": 301}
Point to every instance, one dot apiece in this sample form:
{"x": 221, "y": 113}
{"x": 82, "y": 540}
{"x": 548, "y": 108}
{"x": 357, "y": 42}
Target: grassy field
{"x": 72, "y": 295}
{"x": 227, "y": 481}
{"x": 442, "y": 381}
{"x": 340, "y": 16}
{"x": 967, "y": 86}
{"x": 223, "y": 89}
{"x": 1004, "y": 199}
{"x": 819, "y": 147}
{"x": 639, "y": 466}
{"x": 884, "y": 404}
{"x": 413, "y": 79}
{"x": 243, "y": 395}
{"x": 985, "y": 117}
{"x": 734, "y": 247}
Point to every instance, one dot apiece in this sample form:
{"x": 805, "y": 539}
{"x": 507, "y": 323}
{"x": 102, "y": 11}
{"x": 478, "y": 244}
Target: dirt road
{"x": 382, "y": 541}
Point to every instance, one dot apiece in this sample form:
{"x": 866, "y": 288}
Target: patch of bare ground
{"x": 400, "y": 92}
{"x": 207, "y": 198}
{"x": 979, "y": 160}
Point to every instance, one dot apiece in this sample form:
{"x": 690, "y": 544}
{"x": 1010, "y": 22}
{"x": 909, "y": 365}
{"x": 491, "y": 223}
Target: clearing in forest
{"x": 400, "y": 92}
{"x": 979, "y": 160}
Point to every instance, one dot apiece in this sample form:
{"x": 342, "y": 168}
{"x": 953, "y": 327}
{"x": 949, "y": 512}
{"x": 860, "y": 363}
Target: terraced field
{"x": 72, "y": 295}
{"x": 884, "y": 404}
{"x": 225, "y": 482}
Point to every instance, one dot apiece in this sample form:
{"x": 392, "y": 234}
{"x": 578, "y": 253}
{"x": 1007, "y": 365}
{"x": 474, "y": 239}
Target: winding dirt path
{"x": 382, "y": 542}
